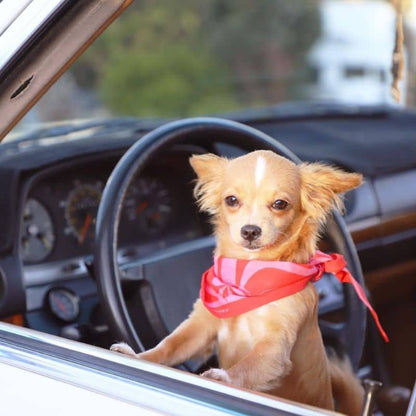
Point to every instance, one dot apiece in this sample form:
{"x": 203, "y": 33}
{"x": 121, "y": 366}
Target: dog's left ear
{"x": 322, "y": 186}
{"x": 209, "y": 168}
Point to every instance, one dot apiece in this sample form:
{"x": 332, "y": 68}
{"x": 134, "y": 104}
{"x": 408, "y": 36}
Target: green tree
{"x": 177, "y": 58}
{"x": 149, "y": 63}
{"x": 170, "y": 80}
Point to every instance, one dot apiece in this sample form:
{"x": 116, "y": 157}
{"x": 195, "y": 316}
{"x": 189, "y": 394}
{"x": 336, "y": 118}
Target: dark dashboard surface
{"x": 379, "y": 143}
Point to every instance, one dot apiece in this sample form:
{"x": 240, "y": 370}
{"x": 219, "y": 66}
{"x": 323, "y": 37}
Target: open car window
{"x": 163, "y": 60}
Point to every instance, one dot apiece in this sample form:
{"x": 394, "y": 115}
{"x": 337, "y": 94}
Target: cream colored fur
{"x": 276, "y": 348}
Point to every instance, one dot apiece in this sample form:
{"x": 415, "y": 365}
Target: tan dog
{"x": 267, "y": 208}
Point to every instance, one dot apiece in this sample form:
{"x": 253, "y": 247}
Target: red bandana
{"x": 231, "y": 286}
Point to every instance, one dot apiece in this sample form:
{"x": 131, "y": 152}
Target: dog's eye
{"x": 231, "y": 201}
{"x": 280, "y": 204}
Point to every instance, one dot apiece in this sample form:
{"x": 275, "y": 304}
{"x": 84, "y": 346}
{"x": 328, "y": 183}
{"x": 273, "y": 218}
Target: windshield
{"x": 209, "y": 57}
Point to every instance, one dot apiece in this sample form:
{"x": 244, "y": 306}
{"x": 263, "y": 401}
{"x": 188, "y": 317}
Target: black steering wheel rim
{"x": 105, "y": 252}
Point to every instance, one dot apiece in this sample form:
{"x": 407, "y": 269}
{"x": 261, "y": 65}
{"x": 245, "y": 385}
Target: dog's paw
{"x": 217, "y": 374}
{"x": 123, "y": 348}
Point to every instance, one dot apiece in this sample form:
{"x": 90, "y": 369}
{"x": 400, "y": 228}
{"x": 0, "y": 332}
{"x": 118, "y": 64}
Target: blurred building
{"x": 352, "y": 59}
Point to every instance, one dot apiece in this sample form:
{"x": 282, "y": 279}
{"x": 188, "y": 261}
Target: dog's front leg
{"x": 262, "y": 369}
{"x": 192, "y": 338}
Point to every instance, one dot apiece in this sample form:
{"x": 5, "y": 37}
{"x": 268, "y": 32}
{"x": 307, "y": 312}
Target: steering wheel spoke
{"x": 131, "y": 272}
{"x": 136, "y": 270}
{"x": 173, "y": 275}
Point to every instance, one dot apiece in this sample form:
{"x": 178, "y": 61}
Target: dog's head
{"x": 262, "y": 201}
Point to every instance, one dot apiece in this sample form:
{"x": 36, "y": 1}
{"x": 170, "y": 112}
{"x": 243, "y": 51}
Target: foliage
{"x": 166, "y": 58}
{"x": 170, "y": 80}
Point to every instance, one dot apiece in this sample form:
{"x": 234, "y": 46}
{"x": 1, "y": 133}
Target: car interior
{"x": 102, "y": 240}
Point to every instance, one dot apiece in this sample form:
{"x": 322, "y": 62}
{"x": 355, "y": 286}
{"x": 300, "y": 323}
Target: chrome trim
{"x": 9, "y": 11}
{"x": 360, "y": 225}
{"x": 411, "y": 410}
{"x": 129, "y": 390}
{"x": 27, "y": 20}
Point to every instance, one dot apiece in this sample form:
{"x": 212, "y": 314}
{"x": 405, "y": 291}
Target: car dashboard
{"x": 58, "y": 213}
{"x": 61, "y": 206}
{"x": 55, "y": 183}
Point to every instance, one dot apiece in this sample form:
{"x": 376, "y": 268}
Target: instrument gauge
{"x": 81, "y": 209}
{"x": 64, "y": 304}
{"x": 37, "y": 232}
{"x": 148, "y": 204}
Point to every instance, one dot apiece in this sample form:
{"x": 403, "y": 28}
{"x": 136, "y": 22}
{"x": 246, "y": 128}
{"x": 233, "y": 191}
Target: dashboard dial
{"x": 37, "y": 232}
{"x": 64, "y": 304}
{"x": 81, "y": 211}
{"x": 148, "y": 204}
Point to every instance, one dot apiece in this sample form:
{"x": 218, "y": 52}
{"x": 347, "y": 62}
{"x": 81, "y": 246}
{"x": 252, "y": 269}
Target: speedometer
{"x": 81, "y": 211}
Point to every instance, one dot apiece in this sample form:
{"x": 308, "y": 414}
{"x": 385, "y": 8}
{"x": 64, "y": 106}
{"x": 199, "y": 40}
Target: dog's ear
{"x": 322, "y": 186}
{"x": 209, "y": 168}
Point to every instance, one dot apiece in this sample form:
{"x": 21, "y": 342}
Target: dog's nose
{"x": 250, "y": 232}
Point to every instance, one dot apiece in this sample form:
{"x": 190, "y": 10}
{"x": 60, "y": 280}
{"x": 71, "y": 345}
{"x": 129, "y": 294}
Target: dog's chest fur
{"x": 237, "y": 336}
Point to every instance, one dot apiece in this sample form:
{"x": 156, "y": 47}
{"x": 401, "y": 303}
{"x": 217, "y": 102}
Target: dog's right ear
{"x": 210, "y": 169}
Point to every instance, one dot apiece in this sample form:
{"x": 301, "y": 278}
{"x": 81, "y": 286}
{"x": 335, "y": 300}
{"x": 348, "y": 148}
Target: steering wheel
{"x": 147, "y": 284}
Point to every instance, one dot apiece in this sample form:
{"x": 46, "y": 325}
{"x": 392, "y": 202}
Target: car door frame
{"x": 49, "y": 51}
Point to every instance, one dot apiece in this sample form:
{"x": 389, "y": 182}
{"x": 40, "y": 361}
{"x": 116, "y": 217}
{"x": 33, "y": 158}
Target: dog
{"x": 266, "y": 208}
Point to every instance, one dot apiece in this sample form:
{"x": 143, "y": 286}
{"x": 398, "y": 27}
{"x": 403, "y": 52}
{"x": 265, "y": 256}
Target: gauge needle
{"x": 85, "y": 228}
{"x": 46, "y": 242}
{"x": 60, "y": 304}
{"x": 141, "y": 207}
{"x": 156, "y": 216}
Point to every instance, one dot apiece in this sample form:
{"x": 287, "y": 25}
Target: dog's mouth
{"x": 252, "y": 246}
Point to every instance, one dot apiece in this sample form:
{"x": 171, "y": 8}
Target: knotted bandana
{"x": 232, "y": 286}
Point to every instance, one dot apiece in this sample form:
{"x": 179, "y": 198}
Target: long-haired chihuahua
{"x": 258, "y": 308}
